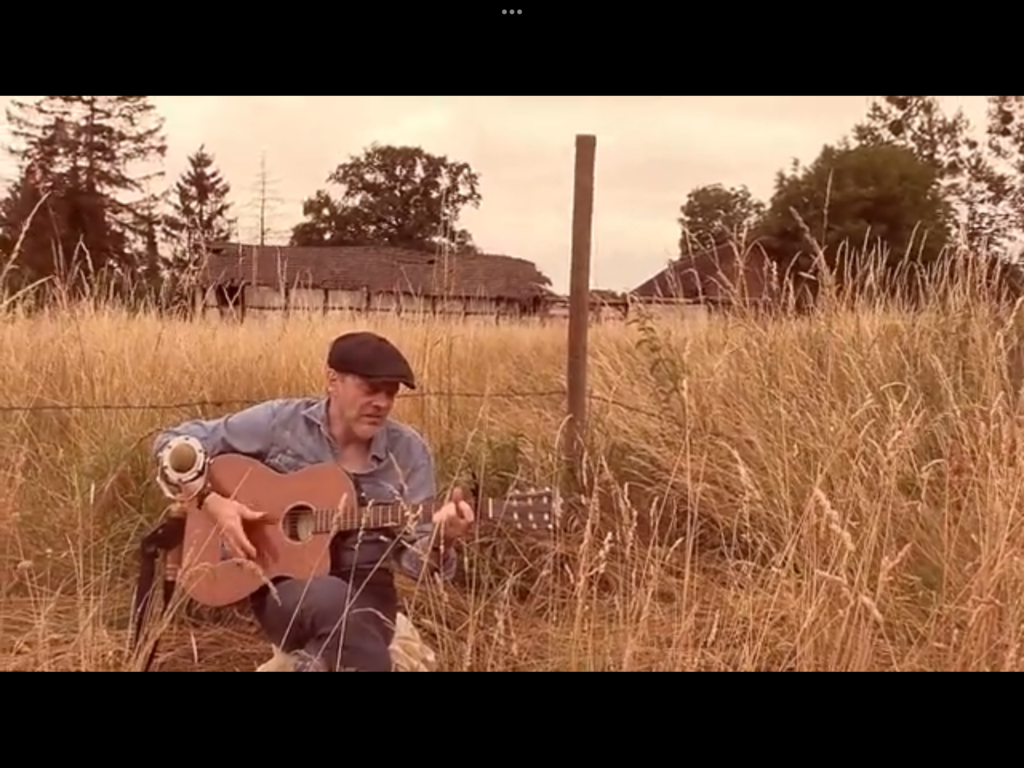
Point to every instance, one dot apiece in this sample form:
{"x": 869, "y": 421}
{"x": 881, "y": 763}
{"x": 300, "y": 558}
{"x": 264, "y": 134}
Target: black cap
{"x": 370, "y": 357}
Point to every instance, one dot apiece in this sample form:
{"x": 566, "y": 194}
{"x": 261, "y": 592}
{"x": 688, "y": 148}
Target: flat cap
{"x": 370, "y": 357}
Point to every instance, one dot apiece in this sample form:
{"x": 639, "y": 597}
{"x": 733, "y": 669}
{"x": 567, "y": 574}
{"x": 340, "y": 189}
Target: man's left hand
{"x": 455, "y": 519}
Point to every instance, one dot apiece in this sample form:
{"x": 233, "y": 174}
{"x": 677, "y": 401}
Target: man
{"x": 344, "y": 621}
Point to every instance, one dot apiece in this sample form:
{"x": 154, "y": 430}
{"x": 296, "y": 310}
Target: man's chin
{"x": 367, "y": 430}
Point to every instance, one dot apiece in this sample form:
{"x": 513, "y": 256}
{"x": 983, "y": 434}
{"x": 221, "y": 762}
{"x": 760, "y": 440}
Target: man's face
{"x": 359, "y": 404}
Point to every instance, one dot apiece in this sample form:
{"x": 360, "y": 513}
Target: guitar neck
{"x": 523, "y": 513}
{"x": 375, "y": 515}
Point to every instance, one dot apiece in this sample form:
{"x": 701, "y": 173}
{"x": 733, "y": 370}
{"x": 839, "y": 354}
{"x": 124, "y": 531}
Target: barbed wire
{"x": 26, "y": 408}
{"x": 195, "y": 404}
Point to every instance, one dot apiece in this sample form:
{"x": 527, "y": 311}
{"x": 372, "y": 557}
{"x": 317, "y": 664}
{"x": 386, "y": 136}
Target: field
{"x": 837, "y": 492}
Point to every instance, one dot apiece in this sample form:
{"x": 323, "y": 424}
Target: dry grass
{"x": 829, "y": 493}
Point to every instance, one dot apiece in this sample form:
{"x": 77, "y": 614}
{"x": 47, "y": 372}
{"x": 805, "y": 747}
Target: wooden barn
{"x": 713, "y": 280}
{"x": 242, "y": 278}
{"x": 689, "y": 287}
{"x": 604, "y": 305}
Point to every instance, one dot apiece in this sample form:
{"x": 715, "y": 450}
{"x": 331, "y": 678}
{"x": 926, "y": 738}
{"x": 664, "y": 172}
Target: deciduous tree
{"x": 392, "y": 195}
{"x": 978, "y": 190}
{"x": 855, "y": 200}
{"x": 1005, "y": 134}
{"x": 713, "y": 214}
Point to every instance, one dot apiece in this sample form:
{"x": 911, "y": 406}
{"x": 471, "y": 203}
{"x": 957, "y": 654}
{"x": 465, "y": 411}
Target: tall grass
{"x": 837, "y": 491}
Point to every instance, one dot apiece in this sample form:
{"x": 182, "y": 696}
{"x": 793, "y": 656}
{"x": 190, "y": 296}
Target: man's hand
{"x": 455, "y": 519}
{"x": 229, "y": 516}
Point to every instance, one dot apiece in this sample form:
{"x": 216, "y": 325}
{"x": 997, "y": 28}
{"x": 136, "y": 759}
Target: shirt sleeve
{"x": 420, "y": 488}
{"x": 249, "y": 432}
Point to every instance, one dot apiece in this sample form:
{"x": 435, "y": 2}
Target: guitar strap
{"x": 163, "y": 539}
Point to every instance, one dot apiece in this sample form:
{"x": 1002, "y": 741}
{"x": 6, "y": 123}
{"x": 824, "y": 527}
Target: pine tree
{"x": 198, "y": 218}
{"x": 80, "y": 152}
{"x": 21, "y": 203}
{"x": 200, "y": 205}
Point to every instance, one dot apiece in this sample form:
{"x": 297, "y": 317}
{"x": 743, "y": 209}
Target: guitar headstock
{"x": 532, "y": 510}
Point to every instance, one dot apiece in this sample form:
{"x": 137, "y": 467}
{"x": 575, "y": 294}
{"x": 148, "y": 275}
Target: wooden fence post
{"x": 579, "y": 306}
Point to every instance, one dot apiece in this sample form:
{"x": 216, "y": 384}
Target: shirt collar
{"x": 317, "y": 412}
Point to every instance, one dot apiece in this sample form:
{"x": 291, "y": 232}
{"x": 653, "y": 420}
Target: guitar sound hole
{"x": 297, "y": 523}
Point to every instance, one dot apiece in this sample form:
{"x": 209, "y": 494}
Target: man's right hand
{"x": 229, "y": 515}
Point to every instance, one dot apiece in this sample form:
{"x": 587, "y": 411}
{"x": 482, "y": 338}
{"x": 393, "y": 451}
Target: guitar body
{"x": 291, "y": 541}
{"x": 303, "y": 512}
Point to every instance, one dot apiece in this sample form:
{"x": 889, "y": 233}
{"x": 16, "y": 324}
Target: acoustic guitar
{"x": 304, "y": 510}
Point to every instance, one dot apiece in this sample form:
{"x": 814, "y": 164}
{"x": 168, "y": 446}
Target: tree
{"x": 1005, "y": 133}
{"x": 970, "y": 180}
{"x": 200, "y": 205}
{"x": 713, "y": 214}
{"x": 198, "y": 217}
{"x": 78, "y": 152}
{"x": 393, "y": 195}
{"x": 855, "y": 197}
{"x": 18, "y": 247}
{"x": 261, "y": 208}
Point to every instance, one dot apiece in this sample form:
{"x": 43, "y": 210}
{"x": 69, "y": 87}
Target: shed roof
{"x": 716, "y": 275}
{"x": 378, "y": 269}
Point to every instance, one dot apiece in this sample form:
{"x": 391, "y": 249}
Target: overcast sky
{"x": 651, "y": 150}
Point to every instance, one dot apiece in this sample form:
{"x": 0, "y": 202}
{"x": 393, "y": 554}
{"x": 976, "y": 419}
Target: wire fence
{"x": 243, "y": 403}
{"x": 252, "y": 401}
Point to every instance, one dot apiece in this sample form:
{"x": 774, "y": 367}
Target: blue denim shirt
{"x": 289, "y": 434}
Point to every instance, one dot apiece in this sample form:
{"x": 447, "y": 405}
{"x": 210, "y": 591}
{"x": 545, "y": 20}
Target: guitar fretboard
{"x": 369, "y": 517}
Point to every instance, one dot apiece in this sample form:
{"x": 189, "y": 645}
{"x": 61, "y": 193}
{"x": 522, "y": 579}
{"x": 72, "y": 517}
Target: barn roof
{"x": 712, "y": 276}
{"x": 378, "y": 269}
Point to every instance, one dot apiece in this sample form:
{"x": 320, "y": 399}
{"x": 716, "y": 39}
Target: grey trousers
{"x": 348, "y": 627}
